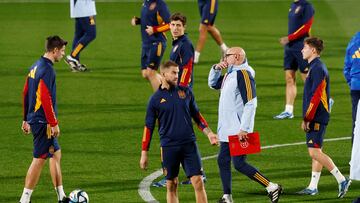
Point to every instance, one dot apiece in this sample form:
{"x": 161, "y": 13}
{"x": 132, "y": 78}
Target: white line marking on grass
{"x": 144, "y": 186}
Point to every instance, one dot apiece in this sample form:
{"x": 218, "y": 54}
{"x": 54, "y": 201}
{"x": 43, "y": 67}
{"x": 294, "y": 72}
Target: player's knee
{"x": 172, "y": 185}
{"x": 203, "y": 28}
{"x": 38, "y": 162}
{"x": 197, "y": 183}
{"x": 314, "y": 154}
{"x": 210, "y": 28}
{"x": 290, "y": 80}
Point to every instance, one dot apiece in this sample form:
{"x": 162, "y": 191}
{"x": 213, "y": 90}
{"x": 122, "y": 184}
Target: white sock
{"x": 224, "y": 47}
{"x": 315, "y": 177}
{"x": 289, "y": 108}
{"x": 337, "y": 174}
{"x": 25, "y": 197}
{"x": 196, "y": 57}
{"x": 271, "y": 187}
{"x": 60, "y": 192}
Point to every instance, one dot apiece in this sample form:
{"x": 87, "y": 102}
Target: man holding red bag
{"x": 237, "y": 107}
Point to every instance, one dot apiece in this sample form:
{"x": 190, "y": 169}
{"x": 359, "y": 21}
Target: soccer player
{"x": 84, "y": 12}
{"x": 301, "y": 16}
{"x": 174, "y": 106}
{"x": 352, "y": 74}
{"x": 40, "y": 112}
{"x": 237, "y": 107}
{"x": 316, "y": 117}
{"x": 208, "y": 10}
{"x": 182, "y": 52}
{"x": 154, "y": 23}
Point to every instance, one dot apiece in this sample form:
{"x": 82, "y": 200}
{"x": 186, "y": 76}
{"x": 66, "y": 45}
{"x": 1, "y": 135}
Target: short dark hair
{"x": 53, "y": 42}
{"x": 316, "y": 43}
{"x": 178, "y": 16}
{"x": 167, "y": 64}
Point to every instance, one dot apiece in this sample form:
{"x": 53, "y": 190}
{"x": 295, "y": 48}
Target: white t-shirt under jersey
{"x": 82, "y": 8}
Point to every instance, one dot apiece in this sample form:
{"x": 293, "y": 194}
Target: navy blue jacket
{"x": 174, "y": 109}
{"x": 182, "y": 54}
{"x": 39, "y": 94}
{"x": 154, "y": 13}
{"x": 316, "y": 93}
{"x": 301, "y": 15}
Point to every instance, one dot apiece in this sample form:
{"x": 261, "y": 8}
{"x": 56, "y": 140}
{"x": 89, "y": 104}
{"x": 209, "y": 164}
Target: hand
{"x": 213, "y": 138}
{"x": 143, "y": 160}
{"x": 25, "y": 127}
{"x": 305, "y": 126}
{"x": 55, "y": 131}
{"x": 222, "y": 65}
{"x": 284, "y": 40}
{"x": 149, "y": 30}
{"x": 134, "y": 20}
{"x": 242, "y": 136}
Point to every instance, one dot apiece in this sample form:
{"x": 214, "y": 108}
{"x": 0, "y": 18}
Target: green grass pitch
{"x": 102, "y": 112}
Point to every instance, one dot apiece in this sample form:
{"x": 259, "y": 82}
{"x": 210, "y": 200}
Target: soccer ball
{"x": 78, "y": 196}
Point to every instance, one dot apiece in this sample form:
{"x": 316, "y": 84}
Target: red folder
{"x": 248, "y": 146}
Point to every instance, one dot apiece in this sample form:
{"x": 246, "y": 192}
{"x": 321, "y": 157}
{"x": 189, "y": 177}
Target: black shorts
{"x": 152, "y": 54}
{"x": 315, "y": 137}
{"x": 187, "y": 155}
{"x": 43, "y": 147}
{"x": 208, "y": 10}
{"x": 293, "y": 59}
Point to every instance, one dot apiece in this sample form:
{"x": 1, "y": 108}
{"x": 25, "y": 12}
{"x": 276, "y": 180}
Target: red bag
{"x": 249, "y": 146}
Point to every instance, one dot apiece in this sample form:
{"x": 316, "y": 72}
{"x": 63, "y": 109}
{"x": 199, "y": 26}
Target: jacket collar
{"x": 238, "y": 67}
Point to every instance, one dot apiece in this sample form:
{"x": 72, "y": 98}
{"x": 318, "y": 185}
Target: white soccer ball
{"x": 78, "y": 196}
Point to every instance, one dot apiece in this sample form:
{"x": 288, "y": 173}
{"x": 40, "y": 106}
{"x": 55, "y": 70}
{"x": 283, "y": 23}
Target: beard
{"x": 172, "y": 83}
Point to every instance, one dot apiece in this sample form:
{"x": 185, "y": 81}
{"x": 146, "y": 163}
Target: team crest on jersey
{"x": 244, "y": 144}
{"x": 297, "y": 10}
{"x": 162, "y": 100}
{"x": 182, "y": 94}
{"x": 175, "y": 47}
{"x": 152, "y": 6}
